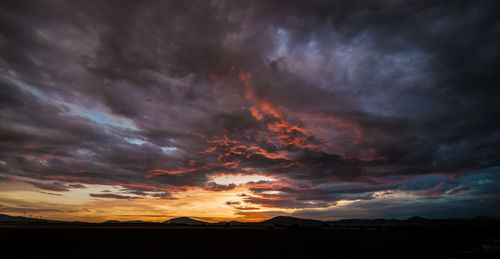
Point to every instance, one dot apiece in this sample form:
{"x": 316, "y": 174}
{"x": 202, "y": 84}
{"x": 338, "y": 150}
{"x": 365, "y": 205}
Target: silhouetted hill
{"x": 129, "y": 221}
{"x": 137, "y": 221}
{"x": 231, "y": 223}
{"x": 186, "y": 221}
{"x": 19, "y": 219}
{"x": 484, "y": 218}
{"x": 289, "y": 221}
{"x": 7, "y": 218}
{"x": 417, "y": 219}
{"x": 414, "y": 222}
{"x": 292, "y": 221}
{"x": 111, "y": 222}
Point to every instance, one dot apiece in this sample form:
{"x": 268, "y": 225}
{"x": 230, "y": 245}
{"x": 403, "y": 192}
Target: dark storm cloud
{"x": 236, "y": 205}
{"x": 112, "y": 196}
{"x": 55, "y": 186}
{"x": 77, "y": 186}
{"x": 142, "y": 191}
{"x": 158, "y": 96}
{"x": 50, "y": 193}
{"x": 7, "y": 178}
{"x": 219, "y": 187}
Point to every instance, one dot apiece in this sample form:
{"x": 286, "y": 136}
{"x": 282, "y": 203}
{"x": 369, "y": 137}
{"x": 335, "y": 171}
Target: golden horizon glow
{"x": 78, "y": 205}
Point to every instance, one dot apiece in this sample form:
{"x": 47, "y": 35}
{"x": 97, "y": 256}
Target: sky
{"x": 245, "y": 110}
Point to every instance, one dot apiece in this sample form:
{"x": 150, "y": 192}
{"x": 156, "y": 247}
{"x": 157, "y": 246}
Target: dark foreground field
{"x": 151, "y": 241}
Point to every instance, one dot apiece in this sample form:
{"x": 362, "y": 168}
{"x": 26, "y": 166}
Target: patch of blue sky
{"x": 34, "y": 91}
{"x": 139, "y": 142}
{"x": 135, "y": 141}
{"x": 168, "y": 149}
{"x": 99, "y": 116}
{"x": 281, "y": 41}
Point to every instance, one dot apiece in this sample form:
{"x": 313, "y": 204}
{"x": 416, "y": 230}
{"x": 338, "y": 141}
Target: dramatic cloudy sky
{"x": 249, "y": 109}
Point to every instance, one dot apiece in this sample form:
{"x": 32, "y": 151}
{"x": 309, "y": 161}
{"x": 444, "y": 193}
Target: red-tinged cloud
{"x": 438, "y": 190}
{"x": 445, "y": 189}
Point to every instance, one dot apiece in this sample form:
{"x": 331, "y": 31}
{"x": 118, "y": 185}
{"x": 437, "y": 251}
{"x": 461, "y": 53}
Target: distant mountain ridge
{"x": 186, "y": 221}
{"x": 20, "y": 219}
{"x": 290, "y": 221}
{"x": 283, "y": 221}
{"x": 128, "y": 221}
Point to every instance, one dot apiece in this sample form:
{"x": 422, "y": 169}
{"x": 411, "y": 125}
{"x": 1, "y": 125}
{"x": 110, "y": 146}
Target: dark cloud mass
{"x": 335, "y": 100}
{"x": 112, "y": 196}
